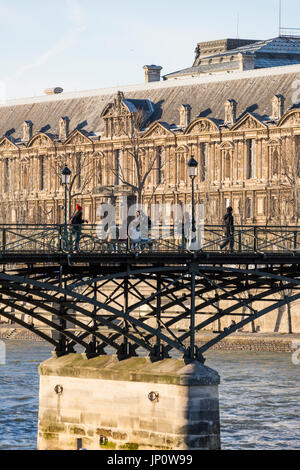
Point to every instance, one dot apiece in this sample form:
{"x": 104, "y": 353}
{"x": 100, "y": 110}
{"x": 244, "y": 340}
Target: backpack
{"x": 227, "y": 219}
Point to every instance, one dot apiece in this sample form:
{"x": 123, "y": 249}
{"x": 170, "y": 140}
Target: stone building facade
{"x": 247, "y": 148}
{"x": 242, "y": 125}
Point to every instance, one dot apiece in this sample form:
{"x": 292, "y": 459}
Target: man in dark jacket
{"x": 228, "y": 230}
{"x": 76, "y": 222}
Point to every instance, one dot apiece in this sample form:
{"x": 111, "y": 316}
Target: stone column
{"x": 134, "y": 404}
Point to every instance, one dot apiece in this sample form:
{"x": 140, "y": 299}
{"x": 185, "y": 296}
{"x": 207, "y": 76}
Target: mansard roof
{"x": 252, "y": 90}
{"x": 275, "y": 52}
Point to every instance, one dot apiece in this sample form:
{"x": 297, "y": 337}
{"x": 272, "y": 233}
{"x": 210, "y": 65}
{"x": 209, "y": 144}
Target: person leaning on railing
{"x": 76, "y": 221}
{"x": 228, "y": 230}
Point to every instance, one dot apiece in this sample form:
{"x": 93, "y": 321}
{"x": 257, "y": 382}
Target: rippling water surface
{"x": 259, "y": 398}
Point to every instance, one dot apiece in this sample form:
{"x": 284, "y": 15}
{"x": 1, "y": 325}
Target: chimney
{"x": 152, "y": 73}
{"x": 27, "y": 130}
{"x": 185, "y": 115}
{"x": 277, "y": 107}
{"x": 64, "y": 125}
{"x": 53, "y": 91}
{"x": 230, "y": 112}
{"x": 246, "y": 61}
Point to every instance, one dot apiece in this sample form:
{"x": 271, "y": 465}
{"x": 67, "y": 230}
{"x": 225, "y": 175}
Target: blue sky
{"x": 84, "y": 44}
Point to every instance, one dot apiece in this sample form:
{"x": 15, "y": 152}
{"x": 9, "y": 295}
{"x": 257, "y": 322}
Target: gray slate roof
{"x": 253, "y": 91}
{"x": 274, "y": 52}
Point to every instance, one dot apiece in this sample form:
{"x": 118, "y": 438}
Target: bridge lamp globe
{"x": 192, "y": 167}
{"x": 65, "y": 175}
{"x": 65, "y": 179}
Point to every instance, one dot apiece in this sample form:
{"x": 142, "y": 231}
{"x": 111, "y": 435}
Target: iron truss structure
{"x": 126, "y": 303}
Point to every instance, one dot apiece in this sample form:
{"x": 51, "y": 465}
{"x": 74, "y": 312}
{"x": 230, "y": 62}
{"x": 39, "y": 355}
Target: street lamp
{"x": 65, "y": 179}
{"x": 192, "y": 172}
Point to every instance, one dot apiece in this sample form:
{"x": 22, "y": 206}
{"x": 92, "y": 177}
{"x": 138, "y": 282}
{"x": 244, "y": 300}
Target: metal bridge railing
{"x": 61, "y": 238}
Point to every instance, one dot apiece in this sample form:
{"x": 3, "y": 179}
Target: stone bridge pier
{"x": 134, "y": 404}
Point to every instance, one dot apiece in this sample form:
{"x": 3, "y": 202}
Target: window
{"x": 42, "y": 173}
{"x": 78, "y": 169}
{"x": 203, "y": 168}
{"x": 227, "y": 164}
{"x": 274, "y": 206}
{"x": 275, "y": 159}
{"x": 24, "y": 177}
{"x": 6, "y": 175}
{"x": 251, "y": 158}
{"x": 119, "y": 168}
{"x": 248, "y": 208}
{"x": 99, "y": 177}
{"x": 182, "y": 166}
{"x": 160, "y": 165}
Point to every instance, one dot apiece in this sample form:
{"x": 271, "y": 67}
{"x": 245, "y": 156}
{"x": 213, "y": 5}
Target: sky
{"x": 87, "y": 44}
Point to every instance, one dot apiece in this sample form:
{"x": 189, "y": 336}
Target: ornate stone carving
{"x": 77, "y": 138}
{"x": 41, "y": 141}
{"x": 118, "y": 102}
{"x": 247, "y": 123}
{"x": 5, "y": 144}
{"x": 158, "y": 130}
{"x": 202, "y": 126}
{"x": 291, "y": 120}
{"x": 116, "y": 115}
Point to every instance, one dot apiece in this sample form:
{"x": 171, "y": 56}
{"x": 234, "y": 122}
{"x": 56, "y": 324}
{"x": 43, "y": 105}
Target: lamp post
{"x": 65, "y": 179}
{"x": 192, "y": 172}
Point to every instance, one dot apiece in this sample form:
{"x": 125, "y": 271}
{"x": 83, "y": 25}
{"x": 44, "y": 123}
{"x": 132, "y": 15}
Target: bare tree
{"x": 291, "y": 175}
{"x": 81, "y": 167}
{"x": 138, "y": 169}
{"x": 19, "y": 188}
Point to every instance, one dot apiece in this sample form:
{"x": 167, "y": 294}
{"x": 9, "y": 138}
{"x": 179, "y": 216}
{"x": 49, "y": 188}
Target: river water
{"x": 259, "y": 397}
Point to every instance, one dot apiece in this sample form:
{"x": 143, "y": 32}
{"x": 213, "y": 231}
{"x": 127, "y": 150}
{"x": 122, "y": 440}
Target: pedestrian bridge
{"x": 59, "y": 238}
{"x": 126, "y": 296}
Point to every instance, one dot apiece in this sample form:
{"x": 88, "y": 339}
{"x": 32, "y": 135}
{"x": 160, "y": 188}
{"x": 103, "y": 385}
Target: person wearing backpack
{"x": 76, "y": 222}
{"x": 228, "y": 230}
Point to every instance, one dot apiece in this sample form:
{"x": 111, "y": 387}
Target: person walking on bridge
{"x": 76, "y": 222}
{"x": 228, "y": 231}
